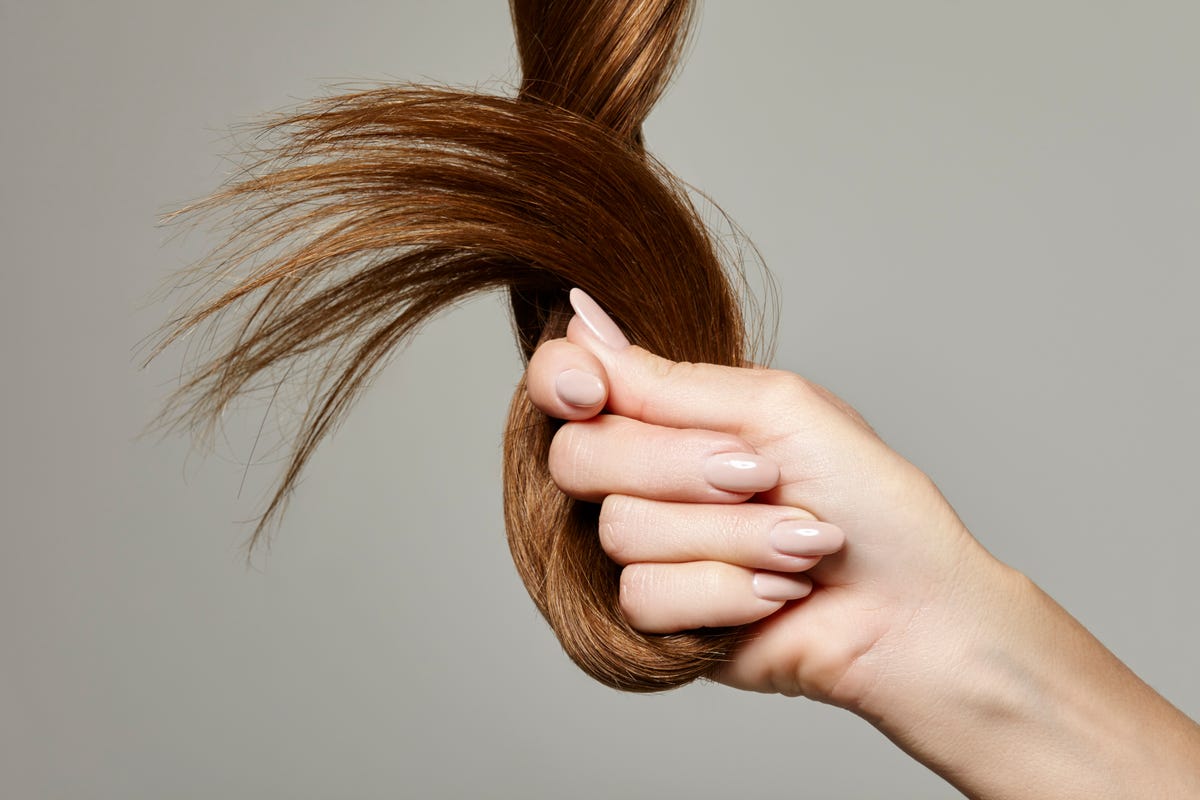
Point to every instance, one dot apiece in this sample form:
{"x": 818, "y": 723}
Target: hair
{"x": 368, "y": 213}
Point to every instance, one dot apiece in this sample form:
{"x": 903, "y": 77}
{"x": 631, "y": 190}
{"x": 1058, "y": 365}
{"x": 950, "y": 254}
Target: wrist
{"x": 998, "y": 689}
{"x": 959, "y": 624}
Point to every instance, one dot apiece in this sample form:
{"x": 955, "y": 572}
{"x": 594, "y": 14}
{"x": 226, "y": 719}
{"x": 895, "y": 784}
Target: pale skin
{"x": 897, "y": 613}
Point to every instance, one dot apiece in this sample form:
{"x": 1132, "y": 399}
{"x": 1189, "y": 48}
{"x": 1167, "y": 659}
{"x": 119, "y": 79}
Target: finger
{"x": 686, "y": 395}
{"x": 757, "y": 535}
{"x": 667, "y": 598}
{"x": 609, "y": 454}
{"x": 565, "y": 381}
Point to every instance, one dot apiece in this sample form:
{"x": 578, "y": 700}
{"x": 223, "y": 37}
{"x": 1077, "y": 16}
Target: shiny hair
{"x": 368, "y": 213}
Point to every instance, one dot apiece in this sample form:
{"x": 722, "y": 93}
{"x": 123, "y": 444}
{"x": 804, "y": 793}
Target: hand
{"x": 695, "y": 555}
{"x": 911, "y": 624}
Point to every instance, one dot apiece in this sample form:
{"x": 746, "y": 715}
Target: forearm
{"x": 1006, "y": 695}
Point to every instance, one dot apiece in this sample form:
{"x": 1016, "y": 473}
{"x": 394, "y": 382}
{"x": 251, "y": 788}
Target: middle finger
{"x": 611, "y": 454}
{"x": 756, "y": 535}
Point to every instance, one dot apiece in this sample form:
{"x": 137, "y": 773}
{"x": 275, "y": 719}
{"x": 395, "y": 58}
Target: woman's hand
{"x": 695, "y": 555}
{"x": 910, "y": 624}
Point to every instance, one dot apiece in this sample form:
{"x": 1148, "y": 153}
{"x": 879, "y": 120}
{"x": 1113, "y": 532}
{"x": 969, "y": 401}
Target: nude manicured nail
{"x": 741, "y": 472}
{"x": 578, "y": 388}
{"x": 773, "y": 586}
{"x": 599, "y": 323}
{"x": 805, "y": 537}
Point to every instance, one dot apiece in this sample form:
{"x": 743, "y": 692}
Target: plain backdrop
{"x": 983, "y": 222}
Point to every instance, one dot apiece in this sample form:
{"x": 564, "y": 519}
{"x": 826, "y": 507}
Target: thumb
{"x": 679, "y": 394}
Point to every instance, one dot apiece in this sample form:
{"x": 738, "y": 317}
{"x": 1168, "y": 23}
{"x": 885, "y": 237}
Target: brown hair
{"x": 370, "y": 212}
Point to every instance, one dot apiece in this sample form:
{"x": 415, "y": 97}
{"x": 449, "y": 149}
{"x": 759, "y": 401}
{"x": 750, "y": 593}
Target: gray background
{"x": 983, "y": 222}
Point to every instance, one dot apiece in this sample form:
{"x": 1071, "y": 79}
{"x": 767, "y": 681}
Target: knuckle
{"x": 665, "y": 369}
{"x": 727, "y": 443}
{"x": 744, "y": 531}
{"x": 547, "y": 361}
{"x": 637, "y": 587}
{"x": 709, "y": 579}
{"x": 538, "y": 361}
{"x": 785, "y": 387}
{"x": 668, "y": 374}
{"x": 617, "y": 527}
{"x": 679, "y": 371}
{"x": 570, "y": 454}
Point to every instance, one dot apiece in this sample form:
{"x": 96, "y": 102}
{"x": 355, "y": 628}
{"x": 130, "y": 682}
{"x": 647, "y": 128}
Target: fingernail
{"x": 773, "y": 586}
{"x": 741, "y": 472}
{"x": 600, "y": 324}
{"x": 578, "y": 388}
{"x": 805, "y": 537}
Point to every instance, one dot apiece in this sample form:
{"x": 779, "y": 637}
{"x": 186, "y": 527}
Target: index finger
{"x": 566, "y": 381}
